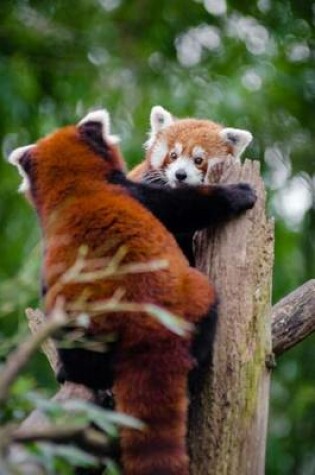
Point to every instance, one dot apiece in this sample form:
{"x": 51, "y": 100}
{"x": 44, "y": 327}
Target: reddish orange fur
{"x": 139, "y": 170}
{"x": 189, "y": 132}
{"x": 77, "y": 206}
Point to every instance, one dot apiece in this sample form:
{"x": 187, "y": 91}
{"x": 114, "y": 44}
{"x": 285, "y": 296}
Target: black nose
{"x": 181, "y": 175}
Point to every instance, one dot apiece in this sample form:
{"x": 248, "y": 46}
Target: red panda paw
{"x": 238, "y": 198}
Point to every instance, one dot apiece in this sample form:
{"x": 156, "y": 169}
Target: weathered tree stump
{"x": 228, "y": 420}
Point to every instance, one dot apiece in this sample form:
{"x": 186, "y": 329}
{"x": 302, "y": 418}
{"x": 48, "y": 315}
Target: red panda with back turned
{"x": 75, "y": 179}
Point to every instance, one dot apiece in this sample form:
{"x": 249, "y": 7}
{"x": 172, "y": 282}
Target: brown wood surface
{"x": 293, "y": 318}
{"x": 228, "y": 421}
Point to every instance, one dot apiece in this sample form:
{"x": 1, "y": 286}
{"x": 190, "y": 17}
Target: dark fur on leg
{"x": 185, "y": 242}
{"x": 202, "y": 348}
{"x": 91, "y": 368}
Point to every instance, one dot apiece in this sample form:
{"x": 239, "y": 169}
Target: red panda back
{"x": 70, "y": 177}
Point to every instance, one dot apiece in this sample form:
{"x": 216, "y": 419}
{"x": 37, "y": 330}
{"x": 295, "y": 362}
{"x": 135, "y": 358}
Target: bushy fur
{"x": 75, "y": 180}
{"x": 70, "y": 175}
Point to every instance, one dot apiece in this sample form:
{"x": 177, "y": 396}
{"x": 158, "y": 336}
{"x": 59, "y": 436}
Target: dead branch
{"x": 37, "y": 426}
{"x": 91, "y": 440}
{"x": 19, "y": 358}
{"x": 293, "y": 318}
{"x": 36, "y": 319}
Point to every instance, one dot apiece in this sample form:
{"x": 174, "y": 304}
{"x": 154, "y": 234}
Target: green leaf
{"x": 104, "y": 419}
{"x": 111, "y": 468}
{"x": 176, "y": 324}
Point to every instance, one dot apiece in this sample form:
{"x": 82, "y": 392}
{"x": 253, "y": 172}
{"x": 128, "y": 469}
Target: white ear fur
{"x": 14, "y": 158}
{"x": 101, "y": 116}
{"x": 238, "y": 138}
{"x": 16, "y": 155}
{"x": 159, "y": 119}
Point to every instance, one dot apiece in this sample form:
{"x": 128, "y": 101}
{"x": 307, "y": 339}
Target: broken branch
{"x": 293, "y": 318}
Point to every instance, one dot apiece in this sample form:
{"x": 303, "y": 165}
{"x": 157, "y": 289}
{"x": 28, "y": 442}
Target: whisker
{"x": 156, "y": 177}
{"x": 154, "y": 173}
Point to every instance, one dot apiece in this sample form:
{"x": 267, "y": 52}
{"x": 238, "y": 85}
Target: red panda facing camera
{"x": 186, "y": 151}
{"x": 183, "y": 152}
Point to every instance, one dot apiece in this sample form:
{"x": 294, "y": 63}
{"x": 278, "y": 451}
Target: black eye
{"x": 198, "y": 160}
{"x": 173, "y": 155}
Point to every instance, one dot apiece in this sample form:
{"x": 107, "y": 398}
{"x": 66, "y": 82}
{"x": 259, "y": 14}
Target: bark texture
{"x": 293, "y": 318}
{"x": 228, "y": 420}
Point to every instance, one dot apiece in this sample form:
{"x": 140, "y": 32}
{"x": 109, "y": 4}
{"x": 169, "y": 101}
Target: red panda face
{"x": 186, "y": 150}
{"x": 87, "y": 150}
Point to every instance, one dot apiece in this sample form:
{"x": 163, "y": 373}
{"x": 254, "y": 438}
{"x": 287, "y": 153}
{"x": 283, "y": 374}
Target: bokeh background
{"x": 244, "y": 64}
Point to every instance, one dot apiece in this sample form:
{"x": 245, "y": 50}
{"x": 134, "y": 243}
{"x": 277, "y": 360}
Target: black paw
{"x": 240, "y": 197}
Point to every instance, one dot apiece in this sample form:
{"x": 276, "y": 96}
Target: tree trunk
{"x": 228, "y": 420}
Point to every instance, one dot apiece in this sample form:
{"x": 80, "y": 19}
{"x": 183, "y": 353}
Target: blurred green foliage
{"x": 244, "y": 64}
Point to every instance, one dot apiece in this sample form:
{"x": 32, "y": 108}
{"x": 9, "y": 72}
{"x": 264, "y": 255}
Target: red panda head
{"x": 86, "y": 151}
{"x": 185, "y": 150}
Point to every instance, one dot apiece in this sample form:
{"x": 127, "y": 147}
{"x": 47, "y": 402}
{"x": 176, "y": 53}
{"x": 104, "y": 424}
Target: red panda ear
{"x": 99, "y": 122}
{"x": 20, "y": 158}
{"x": 238, "y": 139}
{"x": 159, "y": 119}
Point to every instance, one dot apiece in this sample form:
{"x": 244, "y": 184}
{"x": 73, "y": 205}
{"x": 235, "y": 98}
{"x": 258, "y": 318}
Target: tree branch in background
{"x": 37, "y": 427}
{"x": 37, "y": 420}
{"x": 91, "y": 440}
{"x": 20, "y": 357}
{"x": 36, "y": 319}
{"x": 293, "y": 318}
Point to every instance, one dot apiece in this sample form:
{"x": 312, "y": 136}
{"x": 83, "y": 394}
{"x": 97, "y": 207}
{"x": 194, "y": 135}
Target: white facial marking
{"x": 239, "y": 139}
{"x": 101, "y": 116}
{"x": 178, "y": 148}
{"x": 198, "y": 151}
{"x": 14, "y": 158}
{"x": 194, "y": 176}
{"x": 158, "y": 154}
